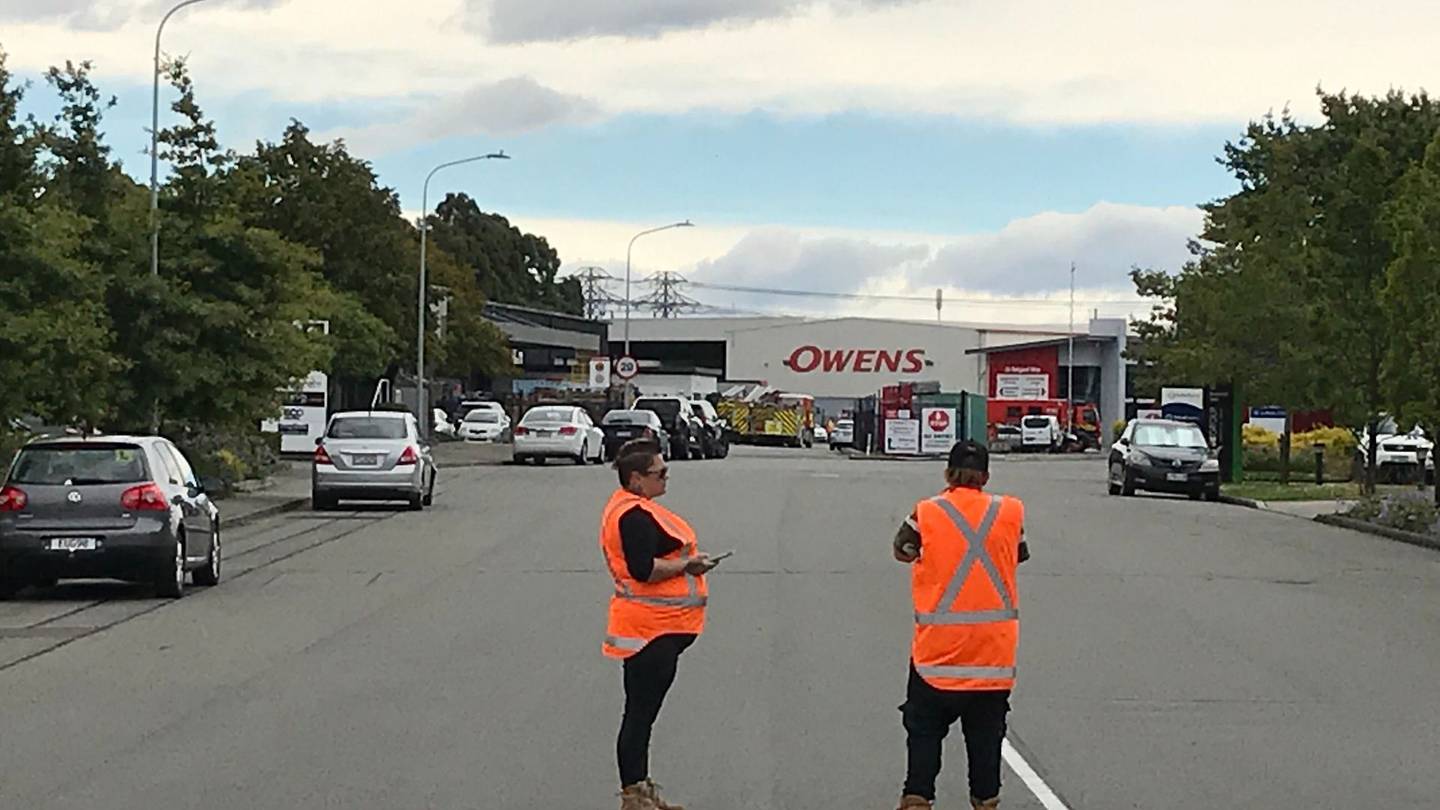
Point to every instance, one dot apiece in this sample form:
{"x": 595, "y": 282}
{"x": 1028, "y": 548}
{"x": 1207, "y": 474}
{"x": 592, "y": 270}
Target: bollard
{"x": 1319, "y": 462}
{"x": 1420, "y": 454}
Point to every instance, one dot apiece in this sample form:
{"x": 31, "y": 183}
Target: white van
{"x": 1039, "y": 432}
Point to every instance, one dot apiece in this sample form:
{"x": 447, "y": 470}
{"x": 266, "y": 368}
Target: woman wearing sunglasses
{"x": 657, "y": 610}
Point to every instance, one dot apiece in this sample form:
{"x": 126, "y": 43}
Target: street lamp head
{"x": 498, "y": 155}
{"x": 686, "y": 224}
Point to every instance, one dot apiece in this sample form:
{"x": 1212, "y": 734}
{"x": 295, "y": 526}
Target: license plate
{"x": 624, "y": 434}
{"x": 74, "y": 543}
{"x": 365, "y": 460}
{"x": 1177, "y": 477}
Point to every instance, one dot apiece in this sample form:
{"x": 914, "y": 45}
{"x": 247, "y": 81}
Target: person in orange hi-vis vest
{"x": 964, "y": 547}
{"x": 656, "y": 611}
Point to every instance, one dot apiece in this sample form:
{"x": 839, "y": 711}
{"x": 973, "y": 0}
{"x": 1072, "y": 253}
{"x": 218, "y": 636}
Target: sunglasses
{"x": 663, "y": 473}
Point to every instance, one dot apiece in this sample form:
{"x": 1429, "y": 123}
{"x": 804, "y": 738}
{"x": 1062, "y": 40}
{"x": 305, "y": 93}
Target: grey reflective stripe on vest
{"x": 625, "y": 642}
{"x": 692, "y": 597}
{"x": 944, "y": 671}
{"x": 975, "y": 552}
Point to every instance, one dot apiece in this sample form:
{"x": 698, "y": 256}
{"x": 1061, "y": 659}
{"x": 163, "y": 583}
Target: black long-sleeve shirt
{"x": 643, "y": 540}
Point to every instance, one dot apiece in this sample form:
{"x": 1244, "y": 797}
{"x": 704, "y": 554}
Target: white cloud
{"x": 541, "y": 20}
{"x": 507, "y": 107}
{"x": 1018, "y": 274}
{"x": 1028, "y": 61}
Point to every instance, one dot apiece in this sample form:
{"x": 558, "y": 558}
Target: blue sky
{"x": 886, "y": 146}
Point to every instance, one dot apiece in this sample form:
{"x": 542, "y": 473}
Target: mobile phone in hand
{"x": 720, "y": 557}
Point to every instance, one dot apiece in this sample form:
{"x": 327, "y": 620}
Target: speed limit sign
{"x": 626, "y": 367}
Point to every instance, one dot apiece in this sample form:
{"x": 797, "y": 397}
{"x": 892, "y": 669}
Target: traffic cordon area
{"x": 1174, "y": 654}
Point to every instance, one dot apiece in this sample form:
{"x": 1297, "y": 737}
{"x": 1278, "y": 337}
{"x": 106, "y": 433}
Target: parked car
{"x": 372, "y": 456}
{"x": 1007, "y": 439}
{"x": 1160, "y": 455}
{"x": 623, "y": 426}
{"x": 822, "y": 436}
{"x": 1041, "y": 432}
{"x": 844, "y": 434}
{"x": 1397, "y": 457}
{"x": 686, "y": 431}
{"x": 558, "y": 431}
{"x": 485, "y": 425}
{"x": 115, "y": 507}
{"x": 715, "y": 440}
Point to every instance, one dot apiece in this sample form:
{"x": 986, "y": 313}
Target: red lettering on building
{"x": 805, "y": 359}
{"x": 837, "y": 359}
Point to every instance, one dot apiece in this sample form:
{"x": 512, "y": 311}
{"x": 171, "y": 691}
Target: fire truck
{"x": 1083, "y": 419}
{"x": 759, "y": 414}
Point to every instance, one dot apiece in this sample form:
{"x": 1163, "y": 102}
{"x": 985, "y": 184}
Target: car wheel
{"x": 416, "y": 501}
{"x": 538, "y": 461}
{"x": 681, "y": 449}
{"x": 170, "y": 576}
{"x": 210, "y": 574}
{"x": 9, "y": 587}
{"x": 429, "y": 498}
{"x": 1212, "y": 494}
{"x": 584, "y": 457}
{"x": 1113, "y": 480}
{"x": 320, "y": 502}
{"x": 1127, "y": 484}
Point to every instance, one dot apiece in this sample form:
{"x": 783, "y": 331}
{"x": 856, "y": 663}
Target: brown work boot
{"x": 988, "y": 804}
{"x": 911, "y": 802}
{"x": 654, "y": 795}
{"x": 637, "y": 797}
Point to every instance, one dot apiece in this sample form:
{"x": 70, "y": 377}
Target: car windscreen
{"x": 557, "y": 415}
{"x": 486, "y": 416}
{"x": 75, "y": 465}
{"x": 367, "y": 427}
{"x": 1170, "y": 436}
{"x": 1036, "y": 422}
{"x": 627, "y": 418}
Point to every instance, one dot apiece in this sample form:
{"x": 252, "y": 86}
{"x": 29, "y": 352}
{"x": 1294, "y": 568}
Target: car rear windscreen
{"x": 1036, "y": 422}
{"x": 77, "y": 465}
{"x": 666, "y": 409}
{"x": 562, "y": 415}
{"x": 367, "y": 427}
{"x": 627, "y": 418}
{"x": 487, "y": 416}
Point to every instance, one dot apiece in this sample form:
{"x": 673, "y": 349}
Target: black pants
{"x": 929, "y": 713}
{"x": 648, "y": 675}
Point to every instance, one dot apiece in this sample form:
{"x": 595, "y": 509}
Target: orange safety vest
{"x": 967, "y": 617}
{"x": 642, "y": 611}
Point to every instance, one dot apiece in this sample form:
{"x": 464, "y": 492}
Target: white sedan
{"x": 484, "y": 425}
{"x": 558, "y": 431}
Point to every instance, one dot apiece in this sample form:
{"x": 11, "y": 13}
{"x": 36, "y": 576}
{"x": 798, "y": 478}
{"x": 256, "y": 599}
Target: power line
{"x": 925, "y": 299}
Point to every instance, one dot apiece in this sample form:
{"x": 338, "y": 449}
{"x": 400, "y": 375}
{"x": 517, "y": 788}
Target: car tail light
{"x": 408, "y": 457}
{"x": 12, "y": 499}
{"x": 144, "y": 498}
{"x": 569, "y": 430}
{"x": 322, "y": 456}
{"x": 520, "y": 430}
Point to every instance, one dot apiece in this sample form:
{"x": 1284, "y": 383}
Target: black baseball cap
{"x": 969, "y": 455}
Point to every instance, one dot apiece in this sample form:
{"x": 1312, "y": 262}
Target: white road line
{"x": 1032, "y": 780}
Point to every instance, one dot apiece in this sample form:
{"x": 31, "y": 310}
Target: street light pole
{"x": 628, "y": 250}
{"x": 155, "y": 143}
{"x": 1070, "y": 362}
{"x": 420, "y": 294}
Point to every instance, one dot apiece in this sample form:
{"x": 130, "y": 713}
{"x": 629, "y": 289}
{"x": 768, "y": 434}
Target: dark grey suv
{"x": 114, "y": 507}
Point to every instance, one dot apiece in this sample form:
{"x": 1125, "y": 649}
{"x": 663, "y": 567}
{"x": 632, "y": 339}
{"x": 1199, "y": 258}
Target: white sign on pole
{"x": 303, "y": 412}
{"x": 937, "y": 430}
{"x": 599, "y": 372}
{"x": 1022, "y": 386}
{"x": 902, "y": 436}
{"x": 626, "y": 367}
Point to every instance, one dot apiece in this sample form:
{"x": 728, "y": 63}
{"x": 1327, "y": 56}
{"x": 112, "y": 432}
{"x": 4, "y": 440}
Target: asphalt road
{"x": 1174, "y": 655}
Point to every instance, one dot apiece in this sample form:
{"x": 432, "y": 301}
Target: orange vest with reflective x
{"x": 967, "y": 616}
{"x": 642, "y": 611}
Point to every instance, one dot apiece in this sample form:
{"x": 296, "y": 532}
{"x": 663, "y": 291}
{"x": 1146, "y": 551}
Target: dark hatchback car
{"x": 623, "y": 426}
{"x": 1160, "y": 455}
{"x": 113, "y": 507}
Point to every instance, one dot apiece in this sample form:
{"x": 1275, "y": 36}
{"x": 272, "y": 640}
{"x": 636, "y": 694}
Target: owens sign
{"x": 806, "y": 359}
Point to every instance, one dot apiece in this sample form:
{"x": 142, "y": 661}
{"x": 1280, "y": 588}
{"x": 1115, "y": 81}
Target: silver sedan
{"x": 372, "y": 456}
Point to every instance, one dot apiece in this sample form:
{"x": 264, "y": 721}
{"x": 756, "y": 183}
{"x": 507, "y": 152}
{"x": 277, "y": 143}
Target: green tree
{"x": 55, "y": 346}
{"x": 510, "y": 266}
{"x": 1411, "y": 295}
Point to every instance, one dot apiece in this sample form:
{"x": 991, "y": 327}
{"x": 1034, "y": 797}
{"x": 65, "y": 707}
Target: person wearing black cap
{"x": 964, "y": 547}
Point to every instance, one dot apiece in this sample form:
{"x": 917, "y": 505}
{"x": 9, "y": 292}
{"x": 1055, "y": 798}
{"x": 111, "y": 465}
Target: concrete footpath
{"x": 286, "y": 490}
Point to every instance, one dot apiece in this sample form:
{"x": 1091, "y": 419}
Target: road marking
{"x": 825, "y": 475}
{"x": 1032, "y": 780}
